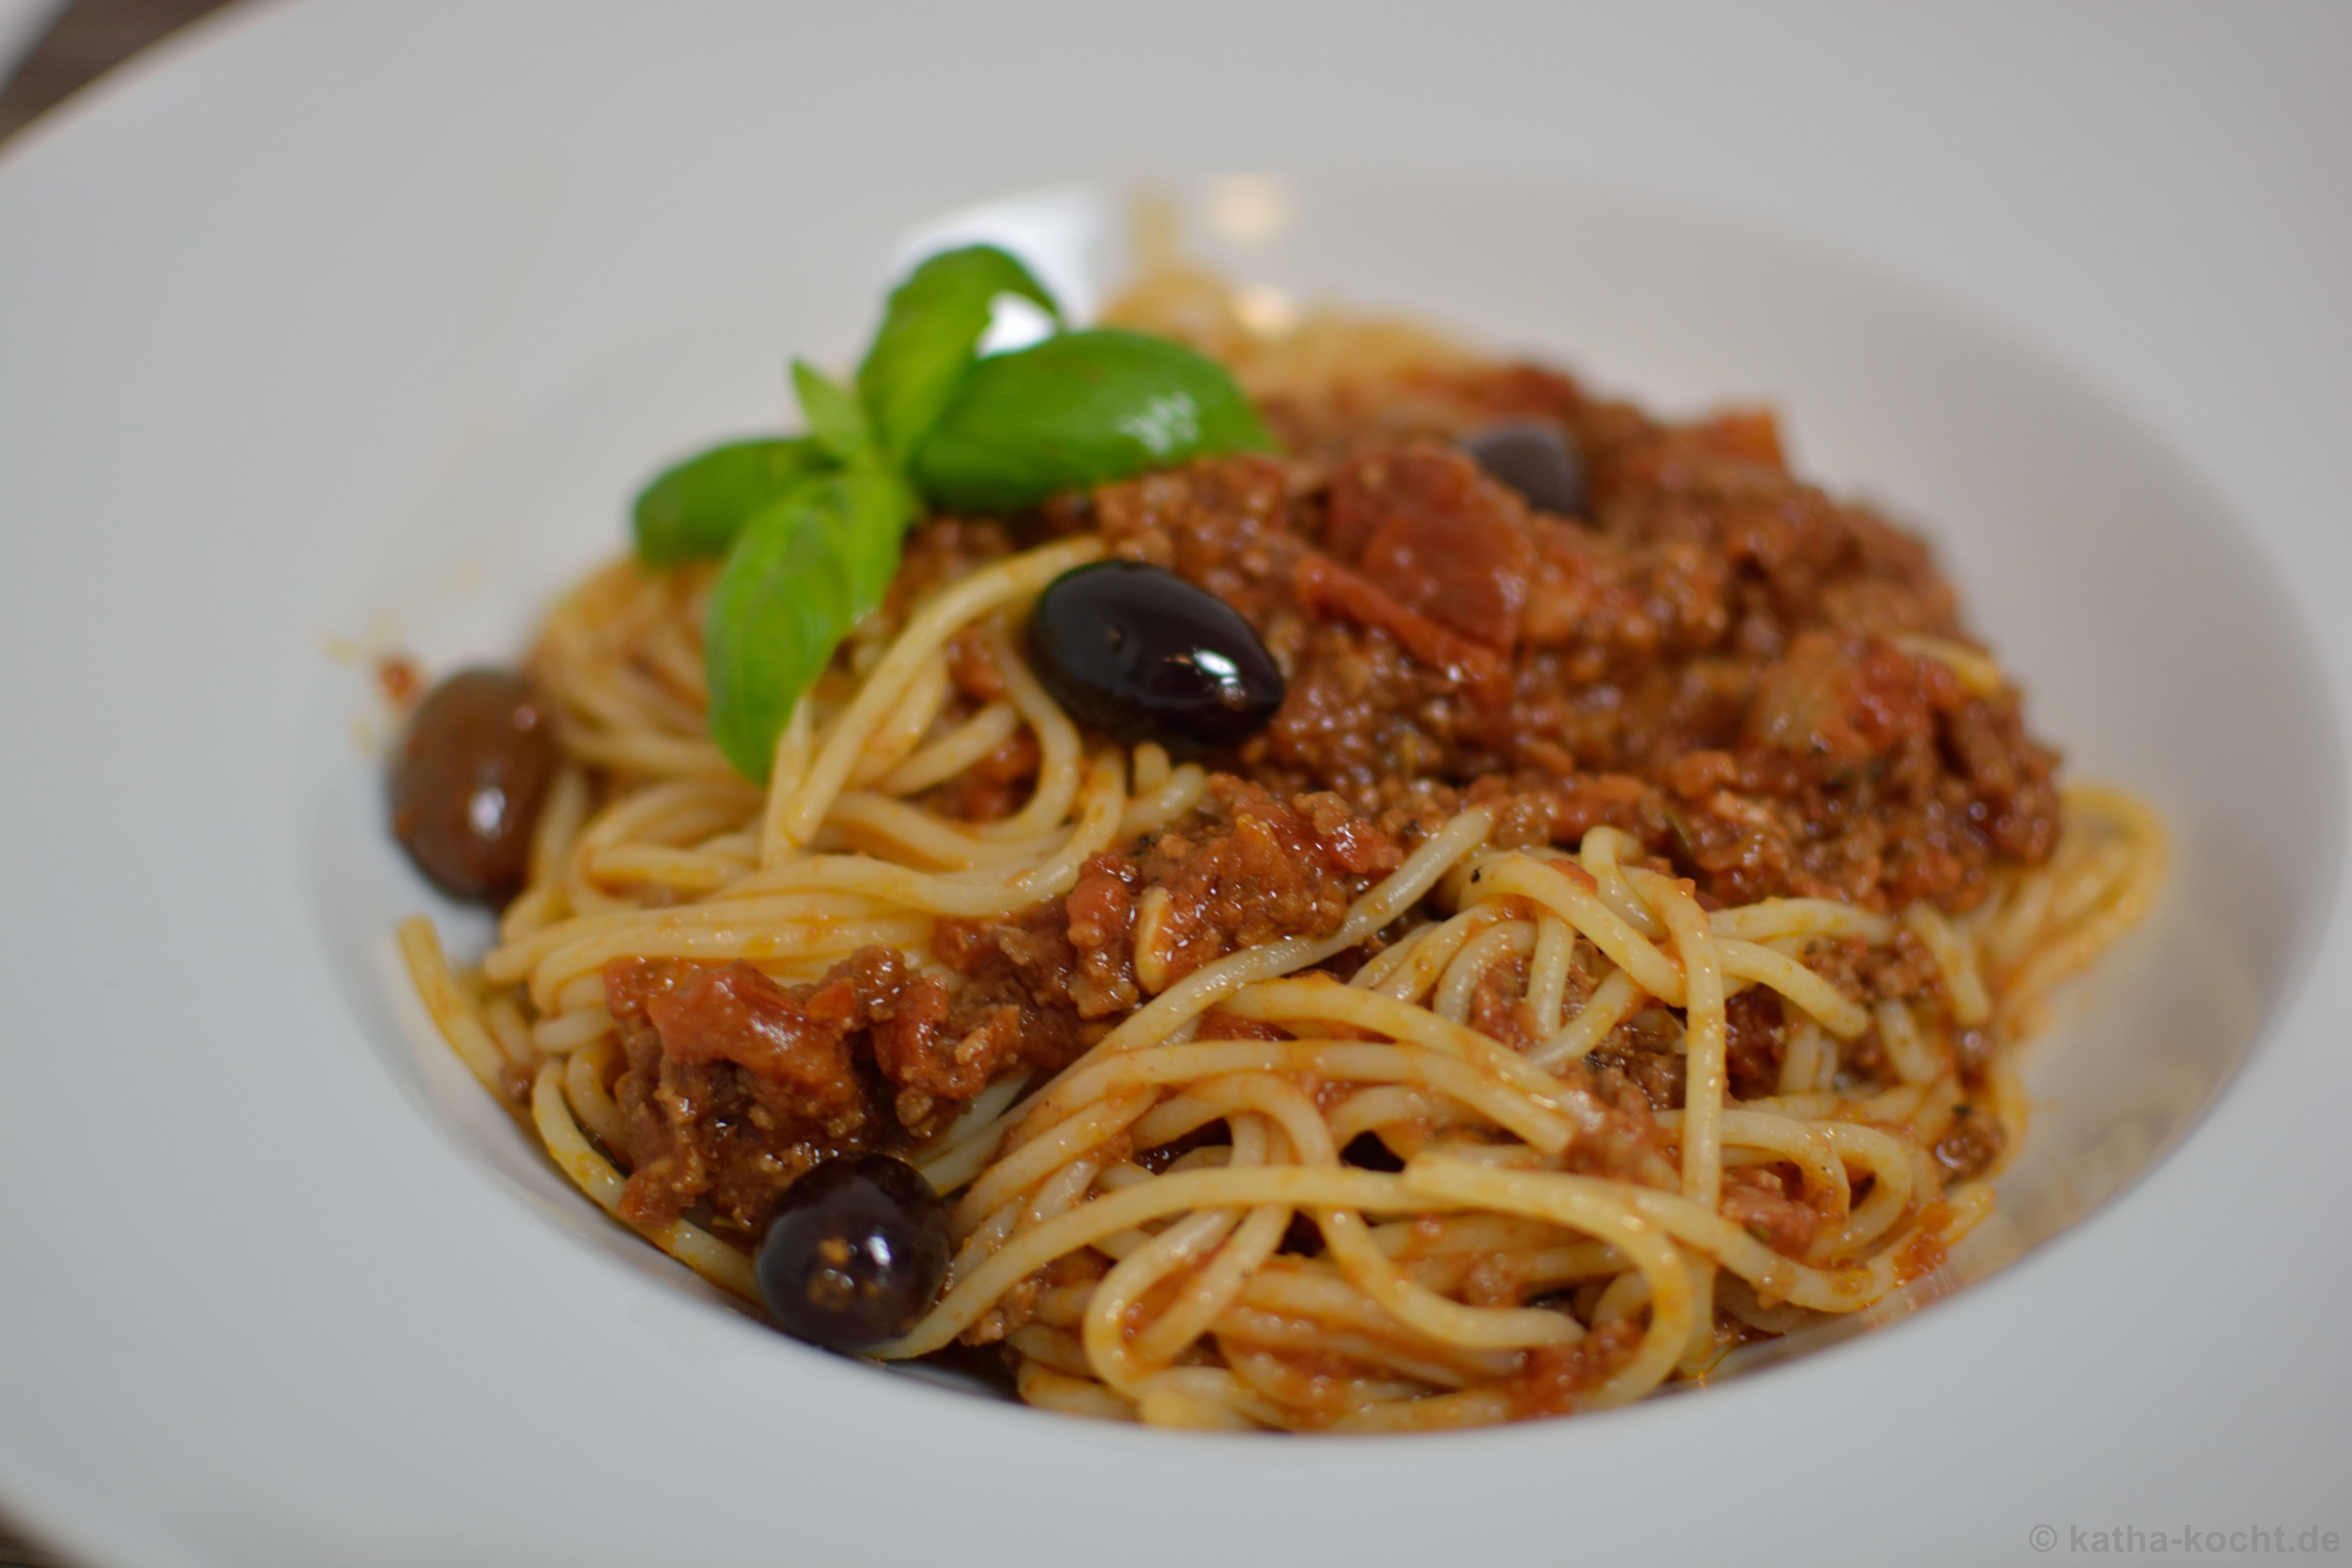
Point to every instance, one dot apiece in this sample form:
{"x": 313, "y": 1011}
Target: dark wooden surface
{"x": 89, "y": 39}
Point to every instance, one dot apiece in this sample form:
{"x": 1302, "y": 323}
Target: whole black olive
{"x": 1142, "y": 655}
{"x": 470, "y": 778}
{"x": 856, "y": 1254}
{"x": 1535, "y": 459}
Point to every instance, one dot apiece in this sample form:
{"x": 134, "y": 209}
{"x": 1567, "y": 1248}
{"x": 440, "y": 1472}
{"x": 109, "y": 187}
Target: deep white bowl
{"x": 2153, "y": 647}
{"x": 331, "y": 337}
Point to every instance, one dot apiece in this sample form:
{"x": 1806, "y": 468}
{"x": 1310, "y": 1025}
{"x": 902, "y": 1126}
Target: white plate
{"x": 337, "y": 330}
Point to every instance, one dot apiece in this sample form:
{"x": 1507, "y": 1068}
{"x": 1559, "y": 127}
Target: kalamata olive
{"x": 1142, "y": 655}
{"x": 1535, "y": 459}
{"x": 856, "y": 1254}
{"x": 470, "y": 778}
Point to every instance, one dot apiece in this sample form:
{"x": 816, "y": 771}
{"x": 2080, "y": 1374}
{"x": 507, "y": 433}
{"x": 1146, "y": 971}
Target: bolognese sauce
{"x": 1500, "y": 900}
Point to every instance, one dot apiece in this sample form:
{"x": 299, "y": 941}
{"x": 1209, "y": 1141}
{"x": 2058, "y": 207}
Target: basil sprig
{"x": 807, "y": 566}
{"x": 931, "y": 337}
{"x": 811, "y": 526}
{"x": 805, "y": 569}
{"x": 1083, "y": 408}
{"x": 696, "y": 509}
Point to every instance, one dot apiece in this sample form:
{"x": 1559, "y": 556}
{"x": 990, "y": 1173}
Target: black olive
{"x": 1142, "y": 655}
{"x": 1535, "y": 459}
{"x": 856, "y": 1254}
{"x": 470, "y": 778}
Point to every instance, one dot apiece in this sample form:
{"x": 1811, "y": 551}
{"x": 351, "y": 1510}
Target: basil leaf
{"x": 836, "y": 422}
{"x": 930, "y": 337}
{"x": 880, "y": 504}
{"x": 806, "y": 569}
{"x": 695, "y": 508}
{"x": 777, "y": 611}
{"x": 1080, "y": 409}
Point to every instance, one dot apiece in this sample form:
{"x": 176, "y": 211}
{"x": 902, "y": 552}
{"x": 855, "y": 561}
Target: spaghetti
{"x": 1272, "y": 1091}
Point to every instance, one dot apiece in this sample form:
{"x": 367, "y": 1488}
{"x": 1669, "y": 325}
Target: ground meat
{"x": 1216, "y": 1024}
{"x": 1753, "y": 1048}
{"x": 942, "y": 550}
{"x": 1901, "y": 970}
{"x": 1707, "y": 660}
{"x": 1554, "y": 1375}
{"x": 1423, "y": 526}
{"x": 1616, "y": 1135}
{"x": 1101, "y": 930}
{"x": 1970, "y": 1146}
{"x": 1711, "y": 603}
{"x": 1330, "y": 592}
{"x": 1225, "y": 524}
{"x": 971, "y": 665}
{"x": 993, "y": 788}
{"x": 1244, "y": 868}
{"x": 1645, "y": 1050}
{"x": 1713, "y": 660}
{"x": 1863, "y": 1068}
{"x": 1016, "y": 977}
{"x": 1248, "y": 869}
{"x": 1017, "y": 1307}
{"x": 931, "y": 1063}
{"x": 1756, "y": 1196}
{"x": 734, "y": 1086}
{"x": 1497, "y": 1008}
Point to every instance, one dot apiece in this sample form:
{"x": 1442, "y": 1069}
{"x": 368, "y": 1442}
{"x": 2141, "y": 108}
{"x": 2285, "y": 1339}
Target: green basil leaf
{"x": 1080, "y": 409}
{"x": 879, "y": 506}
{"x": 696, "y": 509}
{"x": 806, "y": 569}
{"x": 836, "y": 422}
{"x": 777, "y": 612}
{"x": 930, "y": 337}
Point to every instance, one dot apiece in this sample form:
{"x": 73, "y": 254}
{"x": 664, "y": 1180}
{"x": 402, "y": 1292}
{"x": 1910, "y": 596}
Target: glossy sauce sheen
{"x": 1141, "y": 655}
{"x": 470, "y": 776}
